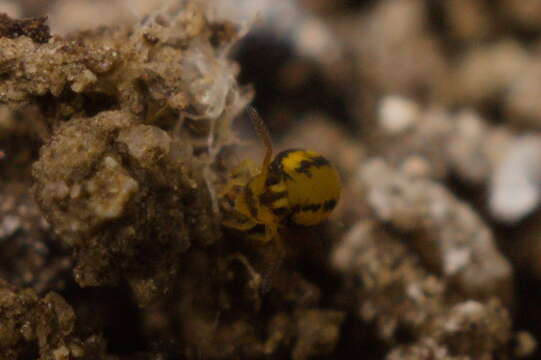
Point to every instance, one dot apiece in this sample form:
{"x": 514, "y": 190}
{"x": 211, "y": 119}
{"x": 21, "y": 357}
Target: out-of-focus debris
{"x": 10, "y": 8}
{"x": 486, "y": 71}
{"x": 397, "y": 114}
{"x": 474, "y": 148}
{"x": 469, "y": 21}
{"x": 515, "y": 187}
{"x": 384, "y": 267}
{"x": 403, "y": 124}
{"x": 395, "y": 291}
{"x": 286, "y": 20}
{"x": 318, "y": 332}
{"x": 399, "y": 28}
{"x": 489, "y": 326}
{"x": 523, "y": 14}
{"x": 526, "y": 344}
{"x": 426, "y": 349}
{"x": 520, "y": 102}
{"x": 43, "y": 328}
{"x": 449, "y": 235}
{"x": 438, "y": 142}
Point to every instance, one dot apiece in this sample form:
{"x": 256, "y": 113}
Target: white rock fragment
{"x": 467, "y": 309}
{"x": 83, "y": 81}
{"x": 8, "y": 225}
{"x": 111, "y": 189}
{"x": 516, "y": 184}
{"x": 146, "y": 143}
{"x": 397, "y": 114}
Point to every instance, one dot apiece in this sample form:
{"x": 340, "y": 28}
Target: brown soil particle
{"x": 36, "y": 29}
{"x": 33, "y": 327}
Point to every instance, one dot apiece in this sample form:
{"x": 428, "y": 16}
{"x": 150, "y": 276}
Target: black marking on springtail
{"x": 269, "y": 197}
{"x": 311, "y": 207}
{"x": 329, "y": 205}
{"x": 305, "y": 165}
{"x": 274, "y": 176}
{"x": 276, "y": 168}
{"x": 295, "y": 209}
{"x": 251, "y": 201}
{"x": 258, "y": 229}
{"x": 279, "y": 211}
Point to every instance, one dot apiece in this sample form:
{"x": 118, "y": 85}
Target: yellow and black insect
{"x": 297, "y": 187}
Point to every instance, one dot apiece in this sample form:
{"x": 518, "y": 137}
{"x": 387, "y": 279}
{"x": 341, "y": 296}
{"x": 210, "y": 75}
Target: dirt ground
{"x": 122, "y": 123}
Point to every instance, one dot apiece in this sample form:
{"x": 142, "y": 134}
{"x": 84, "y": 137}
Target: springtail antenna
{"x": 262, "y": 130}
